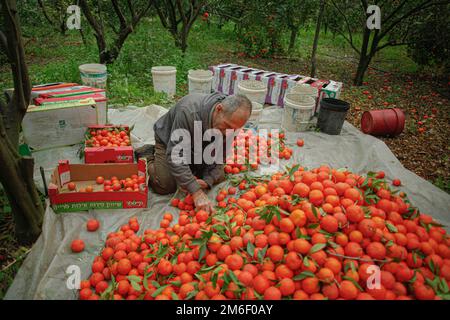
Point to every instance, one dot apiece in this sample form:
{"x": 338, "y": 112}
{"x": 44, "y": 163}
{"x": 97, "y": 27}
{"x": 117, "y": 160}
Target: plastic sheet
{"x": 43, "y": 273}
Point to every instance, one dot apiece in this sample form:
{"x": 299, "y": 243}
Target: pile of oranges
{"x": 109, "y": 137}
{"x": 113, "y": 184}
{"x": 250, "y": 149}
{"x": 303, "y": 234}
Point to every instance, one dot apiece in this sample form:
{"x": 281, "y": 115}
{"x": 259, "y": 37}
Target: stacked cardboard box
{"x": 227, "y": 76}
{"x": 60, "y": 114}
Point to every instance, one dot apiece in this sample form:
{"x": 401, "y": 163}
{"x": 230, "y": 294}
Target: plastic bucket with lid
{"x": 385, "y": 122}
{"x": 298, "y": 110}
{"x": 165, "y": 79}
{"x": 93, "y": 75}
{"x": 306, "y": 90}
{"x": 254, "y": 90}
{"x": 332, "y": 115}
{"x": 200, "y": 81}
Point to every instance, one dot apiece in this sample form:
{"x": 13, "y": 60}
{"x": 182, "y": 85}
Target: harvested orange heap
{"x": 318, "y": 234}
{"x": 250, "y": 149}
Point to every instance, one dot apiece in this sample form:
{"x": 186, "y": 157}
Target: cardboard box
{"x": 332, "y": 89}
{"x": 231, "y": 80}
{"x": 227, "y": 76}
{"x": 283, "y": 83}
{"x": 121, "y": 154}
{"x": 63, "y": 200}
{"x": 242, "y": 74}
{"x": 268, "y": 78}
{"x": 59, "y": 124}
{"x": 219, "y": 83}
{"x": 327, "y": 89}
{"x": 99, "y": 98}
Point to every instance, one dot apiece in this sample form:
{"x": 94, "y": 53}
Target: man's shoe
{"x": 146, "y": 151}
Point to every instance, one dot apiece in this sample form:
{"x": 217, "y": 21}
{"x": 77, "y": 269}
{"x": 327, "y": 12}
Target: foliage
{"x": 429, "y": 44}
{"x": 122, "y": 20}
{"x": 396, "y": 20}
{"x": 178, "y": 17}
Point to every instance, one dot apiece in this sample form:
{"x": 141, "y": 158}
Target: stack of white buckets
{"x": 165, "y": 80}
{"x": 256, "y": 92}
{"x": 298, "y": 108}
{"x": 93, "y": 75}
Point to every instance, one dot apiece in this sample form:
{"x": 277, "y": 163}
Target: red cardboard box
{"x": 64, "y": 200}
{"x": 96, "y": 96}
{"x": 107, "y": 154}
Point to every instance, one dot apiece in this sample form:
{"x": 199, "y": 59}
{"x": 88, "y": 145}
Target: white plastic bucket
{"x": 308, "y": 91}
{"x": 93, "y": 75}
{"x": 257, "y": 109}
{"x": 254, "y": 90}
{"x": 298, "y": 110}
{"x": 165, "y": 79}
{"x": 304, "y": 89}
{"x": 200, "y": 81}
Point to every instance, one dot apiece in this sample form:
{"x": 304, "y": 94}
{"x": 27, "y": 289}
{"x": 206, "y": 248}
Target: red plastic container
{"x": 105, "y": 154}
{"x": 63, "y": 200}
{"x": 385, "y": 122}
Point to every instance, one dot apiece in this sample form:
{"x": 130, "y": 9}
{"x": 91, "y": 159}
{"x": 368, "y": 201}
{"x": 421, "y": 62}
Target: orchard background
{"x": 404, "y": 64}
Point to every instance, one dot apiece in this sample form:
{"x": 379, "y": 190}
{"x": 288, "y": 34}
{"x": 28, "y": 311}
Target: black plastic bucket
{"x": 332, "y": 115}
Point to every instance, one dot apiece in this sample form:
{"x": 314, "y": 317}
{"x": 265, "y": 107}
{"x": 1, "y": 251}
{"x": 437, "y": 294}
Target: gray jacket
{"x": 193, "y": 107}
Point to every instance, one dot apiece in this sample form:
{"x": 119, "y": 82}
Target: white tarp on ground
{"x": 43, "y": 273}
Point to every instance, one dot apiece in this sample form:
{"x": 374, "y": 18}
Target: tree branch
{"x": 119, "y": 13}
{"x": 4, "y": 43}
{"x": 393, "y": 13}
{"x": 131, "y": 8}
{"x": 144, "y": 11}
{"x": 90, "y": 17}
{"x": 181, "y": 10}
{"x": 162, "y": 17}
{"x": 423, "y": 6}
{"x": 350, "y": 39}
{"x": 44, "y": 11}
{"x": 392, "y": 44}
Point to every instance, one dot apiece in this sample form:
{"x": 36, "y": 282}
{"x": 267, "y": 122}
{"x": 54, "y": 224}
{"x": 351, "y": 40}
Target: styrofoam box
{"x": 61, "y": 124}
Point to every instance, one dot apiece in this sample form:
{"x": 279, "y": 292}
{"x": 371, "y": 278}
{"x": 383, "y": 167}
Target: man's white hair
{"x": 234, "y": 102}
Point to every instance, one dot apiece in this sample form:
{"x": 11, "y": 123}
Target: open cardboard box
{"x": 121, "y": 154}
{"x": 63, "y": 200}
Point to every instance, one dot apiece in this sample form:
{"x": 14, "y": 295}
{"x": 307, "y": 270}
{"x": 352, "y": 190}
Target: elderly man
{"x": 208, "y": 111}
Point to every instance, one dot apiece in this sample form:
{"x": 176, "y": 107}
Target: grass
{"x": 57, "y": 58}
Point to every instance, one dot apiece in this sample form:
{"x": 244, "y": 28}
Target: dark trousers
{"x": 160, "y": 178}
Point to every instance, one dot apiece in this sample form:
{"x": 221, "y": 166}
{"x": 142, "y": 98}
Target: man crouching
{"x": 185, "y": 125}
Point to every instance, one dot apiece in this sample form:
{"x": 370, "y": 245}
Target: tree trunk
{"x": 316, "y": 39}
{"x": 17, "y": 180}
{"x": 363, "y": 64}
{"x": 16, "y": 175}
{"x": 112, "y": 54}
{"x": 184, "y": 38}
{"x": 364, "y": 59}
{"x": 293, "y": 38}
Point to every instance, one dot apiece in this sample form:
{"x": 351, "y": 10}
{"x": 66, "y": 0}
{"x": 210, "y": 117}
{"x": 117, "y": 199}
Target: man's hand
{"x": 202, "y": 201}
{"x": 202, "y": 183}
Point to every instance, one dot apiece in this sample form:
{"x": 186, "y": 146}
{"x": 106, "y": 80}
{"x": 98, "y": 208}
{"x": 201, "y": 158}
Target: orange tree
{"x": 16, "y": 173}
{"x": 178, "y": 17}
{"x": 121, "y": 18}
{"x": 397, "y": 18}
